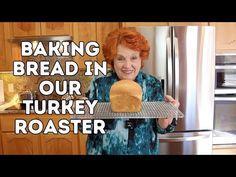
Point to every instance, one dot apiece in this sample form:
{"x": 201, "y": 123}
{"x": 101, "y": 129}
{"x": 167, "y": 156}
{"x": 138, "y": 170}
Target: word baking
{"x": 42, "y": 68}
{"x": 59, "y": 48}
{"x": 35, "y": 126}
{"x": 67, "y": 106}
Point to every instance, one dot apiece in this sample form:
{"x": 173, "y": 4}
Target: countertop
{"x": 14, "y": 111}
{"x": 22, "y": 111}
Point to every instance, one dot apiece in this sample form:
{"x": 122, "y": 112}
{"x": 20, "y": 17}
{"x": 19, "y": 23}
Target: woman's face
{"x": 127, "y": 63}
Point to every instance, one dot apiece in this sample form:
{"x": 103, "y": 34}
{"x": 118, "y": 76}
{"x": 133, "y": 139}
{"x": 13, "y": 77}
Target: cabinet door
{"x": 6, "y": 53}
{"x": 20, "y": 144}
{"x": 2, "y": 48}
{"x": 56, "y": 28}
{"x": 84, "y": 32}
{"x": 225, "y": 37}
{"x": 26, "y": 29}
{"x": 133, "y": 24}
{"x": 60, "y": 144}
{"x": 102, "y": 31}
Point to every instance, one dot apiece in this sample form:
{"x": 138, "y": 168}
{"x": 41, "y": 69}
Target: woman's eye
{"x": 134, "y": 57}
{"x": 120, "y": 58}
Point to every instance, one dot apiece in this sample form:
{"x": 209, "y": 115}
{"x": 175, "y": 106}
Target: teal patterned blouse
{"x": 127, "y": 136}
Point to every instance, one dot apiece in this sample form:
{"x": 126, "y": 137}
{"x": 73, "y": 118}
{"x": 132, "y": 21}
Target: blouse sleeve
{"x": 158, "y": 95}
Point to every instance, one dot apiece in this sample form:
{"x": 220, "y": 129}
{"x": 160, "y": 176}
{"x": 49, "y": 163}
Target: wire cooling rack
{"x": 149, "y": 110}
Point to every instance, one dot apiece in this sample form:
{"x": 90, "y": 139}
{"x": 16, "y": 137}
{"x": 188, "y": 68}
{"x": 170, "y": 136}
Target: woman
{"x": 126, "y": 49}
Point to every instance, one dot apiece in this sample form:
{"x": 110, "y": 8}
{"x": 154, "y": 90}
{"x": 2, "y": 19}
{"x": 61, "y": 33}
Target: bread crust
{"x": 126, "y": 96}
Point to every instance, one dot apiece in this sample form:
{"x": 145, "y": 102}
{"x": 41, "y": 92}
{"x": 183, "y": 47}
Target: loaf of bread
{"x": 126, "y": 96}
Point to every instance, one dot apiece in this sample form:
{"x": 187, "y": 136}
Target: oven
{"x": 225, "y": 100}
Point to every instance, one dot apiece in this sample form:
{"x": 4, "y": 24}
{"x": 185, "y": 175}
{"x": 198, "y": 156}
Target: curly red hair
{"x": 128, "y": 37}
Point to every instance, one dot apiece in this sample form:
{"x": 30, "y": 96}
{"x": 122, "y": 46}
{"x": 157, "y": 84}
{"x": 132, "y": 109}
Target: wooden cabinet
{"x": 6, "y": 47}
{"x": 11, "y": 51}
{"x": 26, "y": 29}
{"x": 41, "y": 143}
{"x": 80, "y": 31}
{"x": 91, "y": 31}
{"x": 225, "y": 37}
{"x": 17, "y": 143}
{"x": 43, "y": 28}
{"x": 20, "y": 144}
{"x": 56, "y": 28}
{"x": 2, "y": 48}
{"x": 84, "y": 32}
{"x": 60, "y": 144}
{"x": 224, "y": 150}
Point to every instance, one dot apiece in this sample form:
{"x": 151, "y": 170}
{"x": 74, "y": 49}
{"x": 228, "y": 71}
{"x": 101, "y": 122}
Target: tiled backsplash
{"x": 21, "y": 83}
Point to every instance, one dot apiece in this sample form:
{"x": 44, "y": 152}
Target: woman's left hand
{"x": 164, "y": 122}
{"x": 171, "y": 100}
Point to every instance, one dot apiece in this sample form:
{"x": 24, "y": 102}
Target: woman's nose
{"x": 127, "y": 64}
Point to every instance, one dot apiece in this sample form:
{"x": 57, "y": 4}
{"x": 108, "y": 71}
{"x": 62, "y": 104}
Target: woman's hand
{"x": 164, "y": 122}
{"x": 171, "y": 100}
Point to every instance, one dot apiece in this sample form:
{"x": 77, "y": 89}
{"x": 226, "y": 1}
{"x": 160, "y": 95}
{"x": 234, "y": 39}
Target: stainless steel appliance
{"x": 225, "y": 100}
{"x": 183, "y": 58}
{"x": 225, "y": 70}
{"x": 26, "y": 95}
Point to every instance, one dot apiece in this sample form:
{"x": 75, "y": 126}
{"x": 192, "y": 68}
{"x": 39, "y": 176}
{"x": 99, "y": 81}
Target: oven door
{"x": 225, "y": 74}
{"x": 225, "y": 79}
{"x": 225, "y": 119}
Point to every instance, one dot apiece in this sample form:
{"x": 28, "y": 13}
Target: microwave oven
{"x": 225, "y": 100}
{"x": 225, "y": 74}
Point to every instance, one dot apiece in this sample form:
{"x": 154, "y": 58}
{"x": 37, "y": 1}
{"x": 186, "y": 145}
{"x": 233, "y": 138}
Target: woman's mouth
{"x": 127, "y": 71}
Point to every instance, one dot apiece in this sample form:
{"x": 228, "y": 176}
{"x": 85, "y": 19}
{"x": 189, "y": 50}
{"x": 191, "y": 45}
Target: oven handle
{"x": 225, "y": 67}
{"x": 181, "y": 139}
{"x": 225, "y": 91}
{"x": 225, "y": 98}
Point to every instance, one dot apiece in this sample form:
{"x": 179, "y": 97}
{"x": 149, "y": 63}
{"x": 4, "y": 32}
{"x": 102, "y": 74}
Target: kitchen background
{"x": 79, "y": 31}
